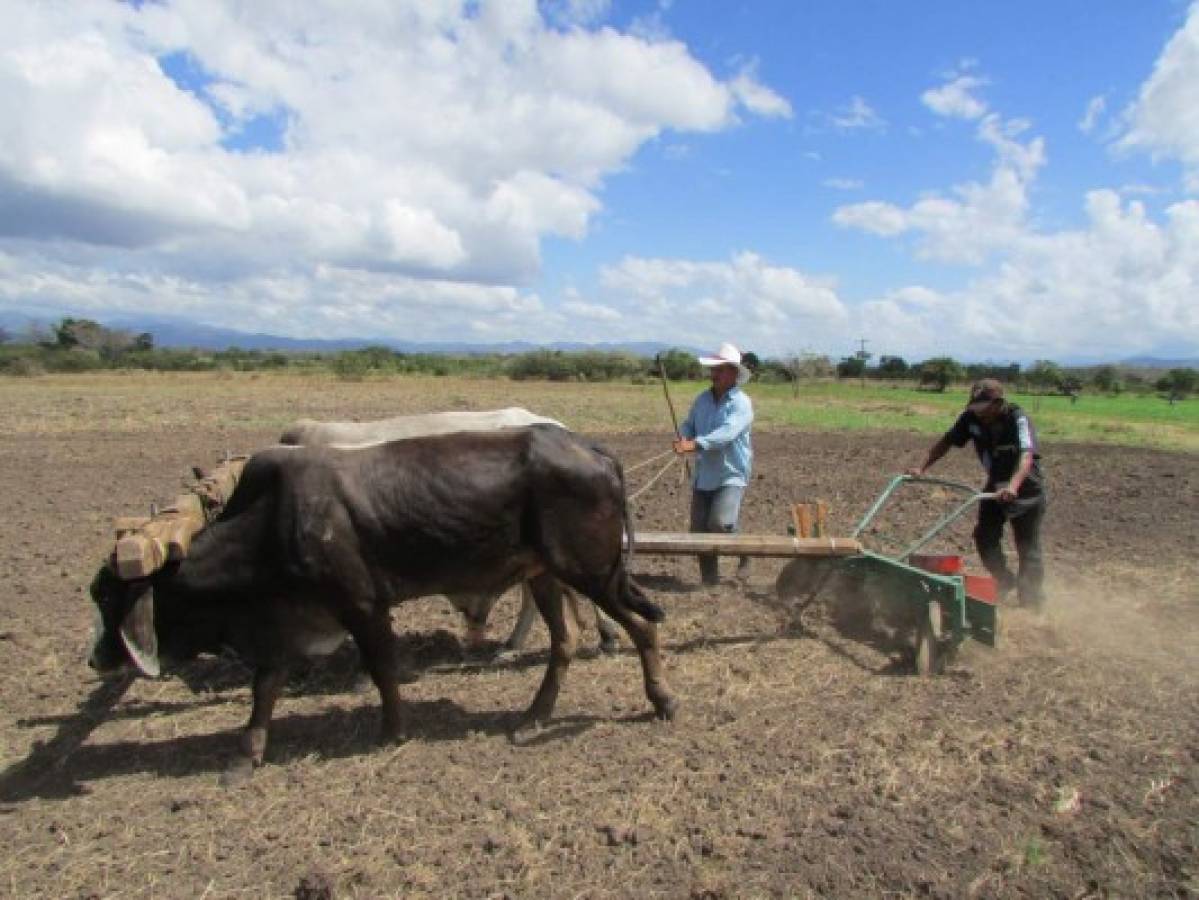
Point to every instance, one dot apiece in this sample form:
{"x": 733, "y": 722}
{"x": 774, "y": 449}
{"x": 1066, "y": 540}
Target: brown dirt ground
{"x": 1064, "y": 763}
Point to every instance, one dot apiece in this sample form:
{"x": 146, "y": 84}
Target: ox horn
{"x": 139, "y": 637}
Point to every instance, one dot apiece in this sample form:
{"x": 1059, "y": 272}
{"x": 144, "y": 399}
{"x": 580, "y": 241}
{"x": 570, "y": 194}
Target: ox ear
{"x": 139, "y": 637}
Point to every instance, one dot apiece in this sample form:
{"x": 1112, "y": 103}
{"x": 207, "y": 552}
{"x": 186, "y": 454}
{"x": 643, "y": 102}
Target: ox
{"x": 308, "y": 432}
{"x": 475, "y": 607}
{"x": 319, "y": 541}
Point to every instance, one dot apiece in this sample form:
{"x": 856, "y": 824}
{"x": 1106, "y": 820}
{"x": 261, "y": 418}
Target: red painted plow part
{"x": 979, "y": 586}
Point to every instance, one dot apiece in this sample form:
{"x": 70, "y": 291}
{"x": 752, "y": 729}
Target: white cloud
{"x": 1122, "y": 283}
{"x": 1095, "y": 110}
{"x": 1164, "y": 120}
{"x": 438, "y": 141}
{"x": 757, "y": 98}
{"x": 858, "y": 114}
{"x": 955, "y": 98}
{"x": 593, "y": 311}
{"x": 578, "y": 12}
{"x": 844, "y": 184}
{"x": 976, "y": 219}
{"x": 325, "y": 302}
{"x": 744, "y": 299}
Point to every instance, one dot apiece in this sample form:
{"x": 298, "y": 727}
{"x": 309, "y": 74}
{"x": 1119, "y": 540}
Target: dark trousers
{"x": 1025, "y": 514}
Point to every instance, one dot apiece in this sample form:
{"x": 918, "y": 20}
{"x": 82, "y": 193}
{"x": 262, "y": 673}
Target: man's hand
{"x": 684, "y": 445}
{"x": 1005, "y": 494}
{"x": 915, "y": 471}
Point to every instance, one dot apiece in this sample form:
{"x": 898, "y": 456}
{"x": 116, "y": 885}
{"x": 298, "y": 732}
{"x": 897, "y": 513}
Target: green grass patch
{"x": 1141, "y": 421}
{"x": 140, "y": 401}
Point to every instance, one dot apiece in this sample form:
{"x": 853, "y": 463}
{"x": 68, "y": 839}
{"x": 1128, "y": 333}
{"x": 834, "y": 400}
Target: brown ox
{"x": 316, "y": 542}
{"x": 475, "y": 606}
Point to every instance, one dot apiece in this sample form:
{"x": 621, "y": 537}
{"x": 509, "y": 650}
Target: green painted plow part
{"x": 949, "y": 615}
{"x": 872, "y": 583}
{"x": 961, "y": 615}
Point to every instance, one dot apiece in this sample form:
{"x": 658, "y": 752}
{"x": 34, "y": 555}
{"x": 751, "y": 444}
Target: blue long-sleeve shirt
{"x": 720, "y": 429}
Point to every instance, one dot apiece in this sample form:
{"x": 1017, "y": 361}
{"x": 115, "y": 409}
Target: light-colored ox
{"x": 475, "y": 607}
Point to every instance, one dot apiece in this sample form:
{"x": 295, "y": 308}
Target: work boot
{"x": 743, "y": 569}
{"x": 1005, "y": 588}
{"x": 1034, "y": 600}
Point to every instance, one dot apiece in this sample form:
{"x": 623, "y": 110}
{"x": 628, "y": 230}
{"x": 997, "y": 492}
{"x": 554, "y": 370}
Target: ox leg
{"x": 377, "y": 643}
{"x": 609, "y": 639}
{"x": 563, "y": 628}
{"x": 524, "y": 621}
{"x": 644, "y": 635}
{"x": 268, "y": 685}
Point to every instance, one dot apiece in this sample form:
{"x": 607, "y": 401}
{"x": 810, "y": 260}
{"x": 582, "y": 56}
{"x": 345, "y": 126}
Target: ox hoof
{"x": 609, "y": 648}
{"x": 525, "y": 732}
{"x": 666, "y": 710}
{"x": 390, "y": 737}
{"x": 238, "y": 772}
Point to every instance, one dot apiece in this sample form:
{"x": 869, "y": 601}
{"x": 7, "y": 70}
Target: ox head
{"x": 125, "y": 632}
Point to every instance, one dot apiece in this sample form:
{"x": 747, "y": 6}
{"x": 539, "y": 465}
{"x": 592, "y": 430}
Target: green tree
{"x": 940, "y": 371}
{"x": 70, "y": 333}
{"x": 1045, "y": 376}
{"x": 892, "y": 367}
{"x": 679, "y": 365}
{"x": 1107, "y": 380}
{"x": 851, "y": 366}
{"x": 1178, "y": 383}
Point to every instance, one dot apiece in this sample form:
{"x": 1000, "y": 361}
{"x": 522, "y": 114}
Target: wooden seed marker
{"x": 810, "y": 519}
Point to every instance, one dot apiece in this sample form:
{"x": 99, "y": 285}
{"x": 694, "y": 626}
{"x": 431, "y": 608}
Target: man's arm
{"x": 685, "y": 442}
{"x": 1023, "y": 467}
{"x": 935, "y": 452}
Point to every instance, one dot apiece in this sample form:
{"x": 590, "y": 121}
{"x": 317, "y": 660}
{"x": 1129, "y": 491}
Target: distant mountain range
{"x": 1156, "y": 362}
{"x": 174, "y": 332}
{"x": 171, "y": 331}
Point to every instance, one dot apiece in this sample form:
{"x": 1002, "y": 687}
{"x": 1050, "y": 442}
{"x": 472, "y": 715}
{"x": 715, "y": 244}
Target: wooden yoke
{"x": 144, "y": 544}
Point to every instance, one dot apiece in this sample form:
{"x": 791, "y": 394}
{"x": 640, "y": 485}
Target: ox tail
{"x": 626, "y": 514}
{"x": 621, "y": 586}
{"x": 632, "y": 596}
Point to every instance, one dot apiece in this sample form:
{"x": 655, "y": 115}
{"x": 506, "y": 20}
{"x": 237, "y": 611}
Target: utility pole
{"x": 863, "y": 356}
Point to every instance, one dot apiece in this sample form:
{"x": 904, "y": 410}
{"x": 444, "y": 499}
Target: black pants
{"x": 1025, "y": 514}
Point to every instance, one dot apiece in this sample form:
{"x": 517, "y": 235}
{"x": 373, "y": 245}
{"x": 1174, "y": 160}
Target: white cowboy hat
{"x": 728, "y": 355}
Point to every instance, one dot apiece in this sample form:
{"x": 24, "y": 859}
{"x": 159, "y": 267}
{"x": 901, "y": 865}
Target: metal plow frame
{"x": 951, "y": 614}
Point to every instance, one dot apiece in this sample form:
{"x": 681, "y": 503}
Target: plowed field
{"x": 804, "y": 762}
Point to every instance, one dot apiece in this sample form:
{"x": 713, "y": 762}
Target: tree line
{"x": 82, "y": 345}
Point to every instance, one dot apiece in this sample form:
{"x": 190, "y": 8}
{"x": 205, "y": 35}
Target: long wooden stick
{"x": 674, "y": 419}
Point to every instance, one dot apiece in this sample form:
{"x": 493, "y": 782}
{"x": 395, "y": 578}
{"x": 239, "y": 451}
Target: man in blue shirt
{"x": 1006, "y": 444}
{"x": 717, "y": 429}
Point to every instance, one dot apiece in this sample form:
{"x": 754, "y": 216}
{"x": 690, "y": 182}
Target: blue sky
{"x": 988, "y": 180}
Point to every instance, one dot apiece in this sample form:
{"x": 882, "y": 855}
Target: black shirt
{"x": 999, "y": 445}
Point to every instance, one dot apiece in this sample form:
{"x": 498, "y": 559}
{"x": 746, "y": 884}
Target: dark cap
{"x": 984, "y": 392}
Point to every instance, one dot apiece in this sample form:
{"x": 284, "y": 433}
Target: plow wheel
{"x": 929, "y": 658}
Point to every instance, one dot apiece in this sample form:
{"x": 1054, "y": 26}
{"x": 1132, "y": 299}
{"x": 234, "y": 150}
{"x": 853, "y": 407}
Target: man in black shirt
{"x": 1006, "y": 446}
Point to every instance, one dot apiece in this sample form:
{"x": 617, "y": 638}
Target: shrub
{"x": 940, "y": 371}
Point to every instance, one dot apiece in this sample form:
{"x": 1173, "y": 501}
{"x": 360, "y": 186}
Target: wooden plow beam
{"x": 144, "y": 544}
{"x": 777, "y": 545}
